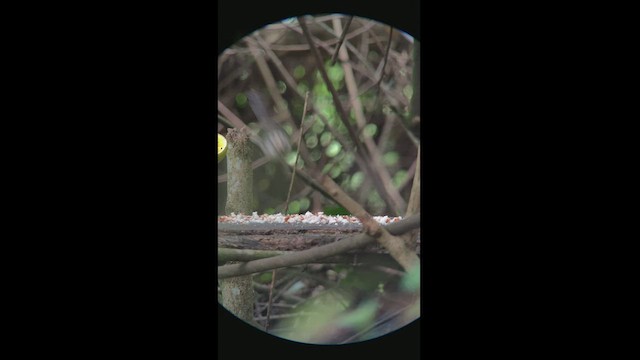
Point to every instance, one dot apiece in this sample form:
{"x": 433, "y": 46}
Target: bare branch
{"x": 397, "y": 203}
{"x": 244, "y": 255}
{"x": 344, "y": 117}
{"x": 344, "y": 33}
{"x": 316, "y": 253}
{"x": 295, "y": 163}
{"x": 394, "y": 245}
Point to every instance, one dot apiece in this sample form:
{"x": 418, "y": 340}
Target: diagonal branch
{"x": 344, "y": 33}
{"x": 314, "y": 254}
{"x": 344, "y": 117}
{"x": 397, "y": 202}
{"x": 244, "y": 255}
{"x": 393, "y": 244}
{"x": 325, "y": 77}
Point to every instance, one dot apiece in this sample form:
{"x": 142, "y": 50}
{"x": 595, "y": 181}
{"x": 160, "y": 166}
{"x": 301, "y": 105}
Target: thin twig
{"x": 323, "y": 44}
{"x": 344, "y": 33}
{"x": 230, "y": 116}
{"x": 273, "y": 279}
{"x": 295, "y": 163}
{"x": 386, "y": 55}
{"x": 384, "y": 65}
{"x": 378, "y": 84}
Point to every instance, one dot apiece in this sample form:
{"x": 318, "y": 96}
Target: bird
{"x": 275, "y": 142}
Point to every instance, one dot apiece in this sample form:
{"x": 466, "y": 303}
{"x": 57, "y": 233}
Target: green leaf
{"x": 317, "y": 127}
{"x": 356, "y": 180}
{"x": 241, "y": 100}
{"x": 304, "y": 204}
{"x": 361, "y": 317}
{"x": 265, "y": 277}
{"x": 390, "y": 158}
{"x": 282, "y": 87}
{"x": 370, "y": 130}
{"x": 411, "y": 280}
{"x": 333, "y": 149}
{"x": 303, "y": 87}
{"x": 364, "y": 280}
{"x": 335, "y": 172}
{"x": 335, "y": 73}
{"x": 335, "y": 210}
{"x": 311, "y": 140}
{"x": 288, "y": 128}
{"x": 290, "y": 158}
{"x": 325, "y": 138}
{"x": 399, "y": 177}
{"x": 299, "y": 72}
{"x": 294, "y": 207}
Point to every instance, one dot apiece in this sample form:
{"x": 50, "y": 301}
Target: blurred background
{"x": 262, "y": 83}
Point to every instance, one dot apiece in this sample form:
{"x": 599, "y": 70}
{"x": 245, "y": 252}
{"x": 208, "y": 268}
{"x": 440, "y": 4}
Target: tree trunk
{"x": 237, "y": 292}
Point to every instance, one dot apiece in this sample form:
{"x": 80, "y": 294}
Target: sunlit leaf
{"x": 333, "y": 149}
{"x": 290, "y": 158}
{"x": 294, "y": 207}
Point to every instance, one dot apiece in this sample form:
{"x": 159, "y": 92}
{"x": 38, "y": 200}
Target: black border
{"x": 120, "y": 165}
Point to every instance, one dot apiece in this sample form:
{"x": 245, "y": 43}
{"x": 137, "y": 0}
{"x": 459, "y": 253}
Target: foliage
{"x": 326, "y": 138}
{"x": 359, "y": 305}
{"x": 320, "y": 303}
